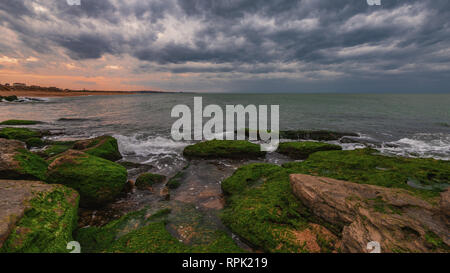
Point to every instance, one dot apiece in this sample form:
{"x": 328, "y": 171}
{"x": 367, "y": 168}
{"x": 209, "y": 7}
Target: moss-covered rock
{"x": 10, "y": 98}
{"x": 36, "y": 217}
{"x": 145, "y": 232}
{"x": 262, "y": 209}
{"x": 16, "y": 162}
{"x": 104, "y": 146}
{"x": 234, "y": 149}
{"x": 320, "y": 135}
{"x": 13, "y": 122}
{"x": 54, "y": 148}
{"x": 423, "y": 177}
{"x": 301, "y": 150}
{"x": 147, "y": 180}
{"x": 19, "y": 133}
{"x": 34, "y": 142}
{"x": 96, "y": 179}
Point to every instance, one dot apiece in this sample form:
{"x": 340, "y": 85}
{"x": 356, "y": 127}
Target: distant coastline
{"x": 22, "y": 90}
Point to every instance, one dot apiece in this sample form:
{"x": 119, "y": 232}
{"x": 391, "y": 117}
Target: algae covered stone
{"x": 145, "y": 231}
{"x": 104, "y": 146}
{"x": 36, "y": 217}
{"x": 423, "y": 177}
{"x": 13, "y": 122}
{"x": 96, "y": 179}
{"x": 147, "y": 180}
{"x": 301, "y": 150}
{"x": 262, "y": 209}
{"x": 234, "y": 149}
{"x": 19, "y": 133}
{"x": 16, "y": 162}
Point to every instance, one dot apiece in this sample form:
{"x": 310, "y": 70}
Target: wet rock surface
{"x": 36, "y": 217}
{"x": 397, "y": 220}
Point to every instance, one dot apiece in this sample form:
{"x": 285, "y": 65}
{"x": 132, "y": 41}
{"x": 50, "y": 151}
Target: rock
{"x": 261, "y": 208}
{"x": 19, "y": 133}
{"x": 96, "y": 179}
{"x": 36, "y": 217}
{"x": 444, "y": 205}
{"x": 165, "y": 194}
{"x": 320, "y": 135}
{"x": 13, "y": 122}
{"x": 11, "y": 98}
{"x": 367, "y": 166}
{"x": 234, "y": 149}
{"x": 55, "y": 148}
{"x": 104, "y": 146}
{"x": 16, "y": 162}
{"x": 301, "y": 150}
{"x": 397, "y": 220}
{"x": 147, "y": 180}
{"x": 145, "y": 232}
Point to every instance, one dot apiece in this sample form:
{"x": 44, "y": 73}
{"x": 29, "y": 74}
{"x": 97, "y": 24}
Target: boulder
{"x": 104, "y": 146}
{"x": 214, "y": 149}
{"x": 301, "y": 150}
{"x": 19, "y": 133}
{"x": 36, "y": 217}
{"x": 397, "y": 220}
{"x": 96, "y": 179}
{"x": 16, "y": 162}
{"x": 147, "y": 180}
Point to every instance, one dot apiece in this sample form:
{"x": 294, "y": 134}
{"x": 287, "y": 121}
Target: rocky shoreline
{"x": 332, "y": 201}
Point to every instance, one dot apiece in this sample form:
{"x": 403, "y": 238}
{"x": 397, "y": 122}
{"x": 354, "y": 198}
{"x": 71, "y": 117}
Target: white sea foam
{"x": 420, "y": 145}
{"x": 139, "y": 145}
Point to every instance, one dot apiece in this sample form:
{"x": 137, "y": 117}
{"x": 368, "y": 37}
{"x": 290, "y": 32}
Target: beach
{"x": 52, "y": 94}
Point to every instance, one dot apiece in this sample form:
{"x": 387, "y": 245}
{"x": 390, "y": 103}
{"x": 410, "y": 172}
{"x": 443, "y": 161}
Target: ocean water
{"x": 416, "y": 125}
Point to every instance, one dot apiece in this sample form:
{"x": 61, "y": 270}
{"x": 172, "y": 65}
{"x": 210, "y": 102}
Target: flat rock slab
{"x": 400, "y": 222}
{"x": 14, "y": 201}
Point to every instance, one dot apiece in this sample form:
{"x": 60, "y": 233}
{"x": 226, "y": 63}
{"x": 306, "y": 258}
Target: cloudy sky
{"x": 228, "y": 45}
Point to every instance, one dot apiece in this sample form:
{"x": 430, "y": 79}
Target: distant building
{"x": 17, "y": 84}
{"x": 7, "y": 84}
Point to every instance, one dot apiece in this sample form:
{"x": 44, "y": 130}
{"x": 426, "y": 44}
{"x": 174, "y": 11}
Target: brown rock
{"x": 392, "y": 217}
{"x": 15, "y": 196}
{"x": 445, "y": 207}
{"x": 8, "y": 150}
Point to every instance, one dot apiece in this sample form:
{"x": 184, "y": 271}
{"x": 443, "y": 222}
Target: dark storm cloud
{"x": 300, "y": 40}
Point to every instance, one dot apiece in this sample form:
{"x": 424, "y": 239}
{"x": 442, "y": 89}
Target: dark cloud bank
{"x": 250, "y": 45}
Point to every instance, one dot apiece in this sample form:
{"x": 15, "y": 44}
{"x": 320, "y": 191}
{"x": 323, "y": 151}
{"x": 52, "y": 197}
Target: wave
{"x": 140, "y": 145}
{"x": 420, "y": 145}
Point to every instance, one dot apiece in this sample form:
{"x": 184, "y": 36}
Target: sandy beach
{"x": 48, "y": 94}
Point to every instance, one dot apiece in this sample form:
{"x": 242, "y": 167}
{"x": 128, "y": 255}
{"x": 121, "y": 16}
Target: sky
{"x": 278, "y": 46}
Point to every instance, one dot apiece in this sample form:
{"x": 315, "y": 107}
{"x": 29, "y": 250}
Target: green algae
{"x": 148, "y": 180}
{"x": 262, "y": 209}
{"x": 141, "y": 232}
{"x": 47, "y": 225}
{"x": 234, "y": 149}
{"x": 13, "y": 122}
{"x": 31, "y": 167}
{"x": 54, "y": 148}
{"x": 96, "y": 179}
{"x": 104, "y": 146}
{"x": 19, "y": 133}
{"x": 365, "y": 166}
{"x": 301, "y": 150}
{"x": 34, "y": 142}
